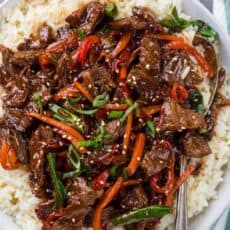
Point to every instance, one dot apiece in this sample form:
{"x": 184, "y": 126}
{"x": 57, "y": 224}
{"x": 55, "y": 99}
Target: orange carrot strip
{"x": 3, "y": 154}
{"x": 169, "y": 199}
{"x": 168, "y": 37}
{"x": 137, "y": 154}
{"x": 110, "y": 107}
{"x": 128, "y": 183}
{"x": 108, "y": 197}
{"x": 203, "y": 63}
{"x": 152, "y": 109}
{"x": 71, "y": 132}
{"x": 125, "y": 39}
{"x": 179, "y": 93}
{"x": 66, "y": 92}
{"x": 83, "y": 90}
{"x": 128, "y": 129}
{"x": 123, "y": 73}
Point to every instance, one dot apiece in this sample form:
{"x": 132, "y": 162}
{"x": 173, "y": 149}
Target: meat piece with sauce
{"x": 174, "y": 118}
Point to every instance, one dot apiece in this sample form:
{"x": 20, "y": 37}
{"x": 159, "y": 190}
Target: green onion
{"x": 113, "y": 171}
{"x": 128, "y": 111}
{"x": 60, "y": 191}
{"x": 65, "y": 116}
{"x": 196, "y": 101}
{"x": 115, "y": 114}
{"x": 124, "y": 174}
{"x": 81, "y": 33}
{"x": 143, "y": 214}
{"x": 151, "y": 131}
{"x": 97, "y": 141}
{"x": 74, "y": 158}
{"x": 101, "y": 100}
{"x": 85, "y": 112}
{"x": 176, "y": 24}
{"x": 111, "y": 10}
{"x": 37, "y": 97}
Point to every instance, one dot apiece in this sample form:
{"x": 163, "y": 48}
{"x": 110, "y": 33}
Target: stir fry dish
{"x": 101, "y": 110}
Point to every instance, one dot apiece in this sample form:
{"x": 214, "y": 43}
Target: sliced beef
{"x": 87, "y": 17}
{"x": 26, "y": 58}
{"x": 45, "y": 209}
{"x": 97, "y": 79}
{"x": 17, "y": 90}
{"x": 38, "y": 148}
{"x": 150, "y": 54}
{"x": 178, "y": 67}
{"x": 142, "y": 83}
{"x": 195, "y": 145}
{"x": 133, "y": 199}
{"x": 15, "y": 119}
{"x": 81, "y": 199}
{"x": 64, "y": 32}
{"x": 17, "y": 142}
{"x": 174, "y": 118}
{"x": 157, "y": 158}
{"x": 115, "y": 130}
{"x": 38, "y": 41}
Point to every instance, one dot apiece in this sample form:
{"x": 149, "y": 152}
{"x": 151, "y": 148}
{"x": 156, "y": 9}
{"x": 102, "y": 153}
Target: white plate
{"x": 216, "y": 207}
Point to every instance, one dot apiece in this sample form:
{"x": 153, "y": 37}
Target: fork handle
{"x": 181, "y": 222}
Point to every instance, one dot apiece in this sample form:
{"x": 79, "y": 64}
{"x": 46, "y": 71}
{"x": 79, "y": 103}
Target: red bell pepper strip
{"x": 99, "y": 182}
{"x": 81, "y": 53}
{"x": 179, "y": 93}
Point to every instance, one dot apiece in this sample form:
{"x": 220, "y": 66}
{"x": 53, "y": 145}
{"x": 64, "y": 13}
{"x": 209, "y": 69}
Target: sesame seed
{"x": 138, "y": 158}
{"x": 73, "y": 220}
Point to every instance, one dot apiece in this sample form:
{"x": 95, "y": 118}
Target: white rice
{"x": 22, "y": 20}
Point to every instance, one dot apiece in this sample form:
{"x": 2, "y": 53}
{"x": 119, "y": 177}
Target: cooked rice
{"x": 23, "y": 19}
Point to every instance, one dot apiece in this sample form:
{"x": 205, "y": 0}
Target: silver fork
{"x": 181, "y": 222}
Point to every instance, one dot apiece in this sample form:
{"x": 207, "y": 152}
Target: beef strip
{"x": 97, "y": 79}
{"x": 178, "y": 67}
{"x": 195, "y": 145}
{"x": 87, "y": 17}
{"x": 38, "y": 41}
{"x": 115, "y": 130}
{"x": 40, "y": 139}
{"x": 15, "y": 119}
{"x": 156, "y": 159}
{"x": 133, "y": 199}
{"x": 17, "y": 142}
{"x": 26, "y": 58}
{"x": 81, "y": 198}
{"x": 174, "y": 118}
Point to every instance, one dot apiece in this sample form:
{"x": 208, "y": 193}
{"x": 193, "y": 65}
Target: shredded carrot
{"x": 44, "y": 60}
{"x": 121, "y": 107}
{"x": 128, "y": 183}
{"x": 169, "y": 199}
{"x": 66, "y": 92}
{"x": 125, "y": 39}
{"x": 108, "y": 197}
{"x": 123, "y": 73}
{"x": 72, "y": 133}
{"x": 151, "y": 110}
{"x": 182, "y": 45}
{"x": 168, "y": 37}
{"x": 83, "y": 90}
{"x": 128, "y": 130}
{"x": 137, "y": 154}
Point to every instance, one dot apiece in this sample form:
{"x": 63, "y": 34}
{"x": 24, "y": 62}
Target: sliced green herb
{"x": 97, "y": 141}
{"x": 151, "y": 131}
{"x": 124, "y": 174}
{"x": 37, "y": 98}
{"x": 111, "y": 10}
{"x": 143, "y": 214}
{"x": 115, "y": 114}
{"x": 66, "y": 116}
{"x": 74, "y": 158}
{"x": 101, "y": 100}
{"x": 128, "y": 111}
{"x": 196, "y": 101}
{"x": 176, "y": 24}
{"x": 85, "y": 112}
{"x": 81, "y": 33}
{"x": 59, "y": 189}
{"x": 113, "y": 171}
